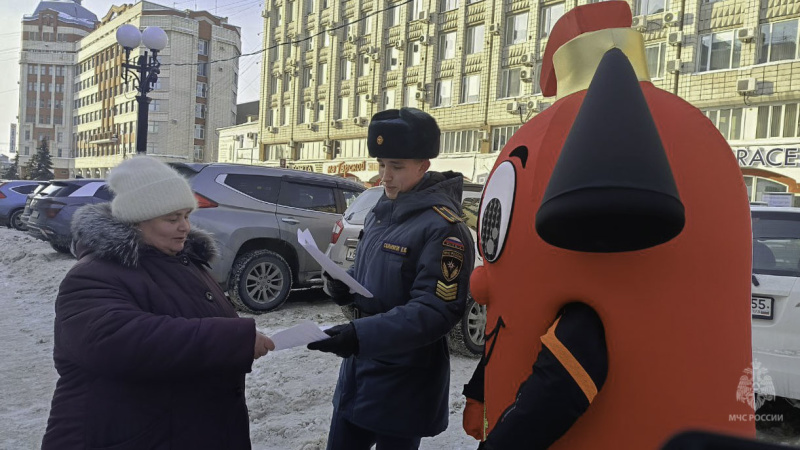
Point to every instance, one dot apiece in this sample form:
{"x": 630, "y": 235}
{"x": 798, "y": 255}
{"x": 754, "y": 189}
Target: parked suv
{"x": 51, "y": 210}
{"x": 467, "y": 337}
{"x": 254, "y": 214}
{"x": 13, "y": 195}
{"x": 776, "y": 297}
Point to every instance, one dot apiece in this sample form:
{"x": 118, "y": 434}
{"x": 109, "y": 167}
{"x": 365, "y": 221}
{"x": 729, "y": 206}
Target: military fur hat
{"x": 405, "y": 133}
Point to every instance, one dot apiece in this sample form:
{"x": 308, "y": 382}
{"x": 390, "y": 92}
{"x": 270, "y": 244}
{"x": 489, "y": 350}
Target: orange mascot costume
{"x": 615, "y": 232}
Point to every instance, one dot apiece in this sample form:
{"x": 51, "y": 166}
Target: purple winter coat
{"x": 150, "y": 353}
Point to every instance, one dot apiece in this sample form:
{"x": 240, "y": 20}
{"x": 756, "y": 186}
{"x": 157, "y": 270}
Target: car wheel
{"x": 260, "y": 281}
{"x": 467, "y": 337}
{"x": 60, "y": 248}
{"x": 15, "y": 220}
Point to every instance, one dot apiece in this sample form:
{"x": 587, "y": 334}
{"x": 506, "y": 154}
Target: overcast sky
{"x": 242, "y": 13}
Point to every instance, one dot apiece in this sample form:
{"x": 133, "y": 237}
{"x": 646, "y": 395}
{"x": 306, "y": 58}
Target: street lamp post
{"x": 145, "y": 71}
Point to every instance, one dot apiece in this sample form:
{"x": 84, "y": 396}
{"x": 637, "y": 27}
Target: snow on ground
{"x": 288, "y": 393}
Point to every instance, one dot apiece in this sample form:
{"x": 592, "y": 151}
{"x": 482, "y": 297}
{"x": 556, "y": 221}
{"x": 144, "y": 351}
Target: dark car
{"x": 13, "y": 195}
{"x": 254, "y": 213}
{"x": 51, "y": 210}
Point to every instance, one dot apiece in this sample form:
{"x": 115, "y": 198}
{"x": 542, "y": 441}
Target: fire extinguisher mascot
{"x": 615, "y": 232}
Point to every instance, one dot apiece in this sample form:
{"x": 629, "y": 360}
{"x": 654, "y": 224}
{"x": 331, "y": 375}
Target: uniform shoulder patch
{"x": 448, "y": 214}
{"x": 454, "y": 243}
{"x": 446, "y": 292}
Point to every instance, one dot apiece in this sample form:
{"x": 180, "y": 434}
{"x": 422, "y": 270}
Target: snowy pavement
{"x": 288, "y": 393}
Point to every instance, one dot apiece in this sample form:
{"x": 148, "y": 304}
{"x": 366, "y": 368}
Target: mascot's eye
{"x": 496, "y": 207}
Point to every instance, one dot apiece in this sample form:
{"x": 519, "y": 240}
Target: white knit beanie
{"x": 146, "y": 188}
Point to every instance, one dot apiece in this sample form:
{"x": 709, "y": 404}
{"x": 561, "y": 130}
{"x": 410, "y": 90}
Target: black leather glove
{"x": 337, "y": 290}
{"x": 342, "y": 341}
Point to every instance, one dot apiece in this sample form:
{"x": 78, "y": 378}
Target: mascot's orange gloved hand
{"x": 473, "y": 418}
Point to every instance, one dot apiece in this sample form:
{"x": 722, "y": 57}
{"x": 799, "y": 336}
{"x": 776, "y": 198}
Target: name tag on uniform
{"x": 394, "y": 248}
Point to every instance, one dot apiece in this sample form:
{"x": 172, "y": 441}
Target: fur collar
{"x": 95, "y": 230}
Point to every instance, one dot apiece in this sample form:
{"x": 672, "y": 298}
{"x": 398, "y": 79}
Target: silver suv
{"x": 254, "y": 214}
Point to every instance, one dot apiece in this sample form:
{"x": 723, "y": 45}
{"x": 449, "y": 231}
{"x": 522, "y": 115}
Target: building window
{"x": 475, "y": 39}
{"x": 414, "y": 54}
{"x": 200, "y": 111}
{"x": 516, "y": 28}
{"x": 448, "y": 5}
{"x": 151, "y": 147}
{"x": 326, "y": 40}
{"x": 198, "y": 152}
{"x": 388, "y": 99}
{"x": 301, "y": 115}
{"x": 363, "y": 68}
{"x": 447, "y": 45}
{"x": 202, "y": 70}
{"x": 202, "y": 47}
{"x": 416, "y": 9}
{"x": 343, "y": 108}
{"x": 778, "y": 41}
{"x": 309, "y": 6}
{"x": 289, "y": 12}
{"x": 549, "y": 17}
{"x": 727, "y": 121}
{"x": 409, "y": 96}
{"x": 202, "y": 90}
{"x": 645, "y": 7}
{"x": 776, "y": 121}
{"x": 273, "y": 85}
{"x": 509, "y": 83}
{"x": 199, "y": 131}
{"x": 391, "y": 58}
{"x": 362, "y": 106}
{"x": 285, "y": 115}
{"x": 308, "y": 44}
{"x": 501, "y": 135}
{"x": 306, "y": 77}
{"x": 368, "y": 25}
{"x": 655, "y": 55}
{"x": 393, "y": 16}
{"x": 60, "y": 152}
{"x": 60, "y": 137}
{"x": 443, "y": 94}
{"x": 465, "y": 141}
{"x": 155, "y": 105}
{"x": 322, "y": 77}
{"x": 719, "y": 51}
{"x": 346, "y": 68}
{"x": 287, "y": 80}
{"x": 470, "y": 89}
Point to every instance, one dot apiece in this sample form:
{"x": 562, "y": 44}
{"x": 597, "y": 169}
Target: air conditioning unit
{"x": 359, "y": 121}
{"x": 674, "y": 65}
{"x": 371, "y": 98}
{"x": 671, "y": 18}
{"x": 639, "y": 23}
{"x": 272, "y": 129}
{"x": 746, "y": 86}
{"x": 533, "y": 105}
{"x": 352, "y": 56}
{"x": 309, "y": 105}
{"x": 494, "y": 28}
{"x": 421, "y": 86}
{"x": 525, "y": 75}
{"x": 351, "y": 38}
{"x": 335, "y": 124}
{"x": 529, "y": 59}
{"x": 291, "y": 143}
{"x": 424, "y": 40}
{"x": 483, "y": 135}
{"x": 422, "y": 15}
{"x": 310, "y": 126}
{"x": 420, "y": 95}
{"x": 327, "y": 143}
{"x": 372, "y": 49}
{"x": 366, "y": 59}
{"x": 675, "y": 38}
{"x": 400, "y": 43}
{"x": 512, "y": 107}
{"x": 375, "y": 56}
{"x": 265, "y": 14}
{"x": 252, "y": 135}
{"x": 745, "y": 34}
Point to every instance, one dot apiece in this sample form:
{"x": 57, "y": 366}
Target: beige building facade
{"x": 474, "y": 65}
{"x": 47, "y": 61}
{"x": 194, "y": 96}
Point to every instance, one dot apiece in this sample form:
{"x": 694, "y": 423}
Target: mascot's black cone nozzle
{"x": 612, "y": 189}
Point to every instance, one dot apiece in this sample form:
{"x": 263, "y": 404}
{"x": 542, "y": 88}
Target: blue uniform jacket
{"x": 416, "y": 258}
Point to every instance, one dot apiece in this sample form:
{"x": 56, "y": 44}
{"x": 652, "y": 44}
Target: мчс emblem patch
{"x": 451, "y": 264}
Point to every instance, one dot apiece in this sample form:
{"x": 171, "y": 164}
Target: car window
{"x": 39, "y": 188}
{"x": 54, "y": 190}
{"x": 257, "y": 186}
{"x": 469, "y": 207}
{"x": 776, "y": 243}
{"x": 104, "y": 193}
{"x": 307, "y": 196}
{"x": 349, "y": 197}
{"x": 356, "y": 213}
{"x": 25, "y": 189}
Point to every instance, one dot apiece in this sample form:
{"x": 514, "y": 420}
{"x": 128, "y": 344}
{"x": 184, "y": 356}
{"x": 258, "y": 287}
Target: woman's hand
{"x": 263, "y": 345}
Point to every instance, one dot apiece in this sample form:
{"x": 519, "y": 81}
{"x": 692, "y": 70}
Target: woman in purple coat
{"x": 150, "y": 353}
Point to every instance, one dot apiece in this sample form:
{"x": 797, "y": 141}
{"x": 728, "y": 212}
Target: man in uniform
{"x": 415, "y": 257}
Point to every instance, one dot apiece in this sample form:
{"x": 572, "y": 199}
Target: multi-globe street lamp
{"x": 145, "y": 71}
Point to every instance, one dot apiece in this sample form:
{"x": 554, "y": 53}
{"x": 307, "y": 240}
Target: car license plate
{"x": 351, "y": 254}
{"x": 762, "y": 307}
